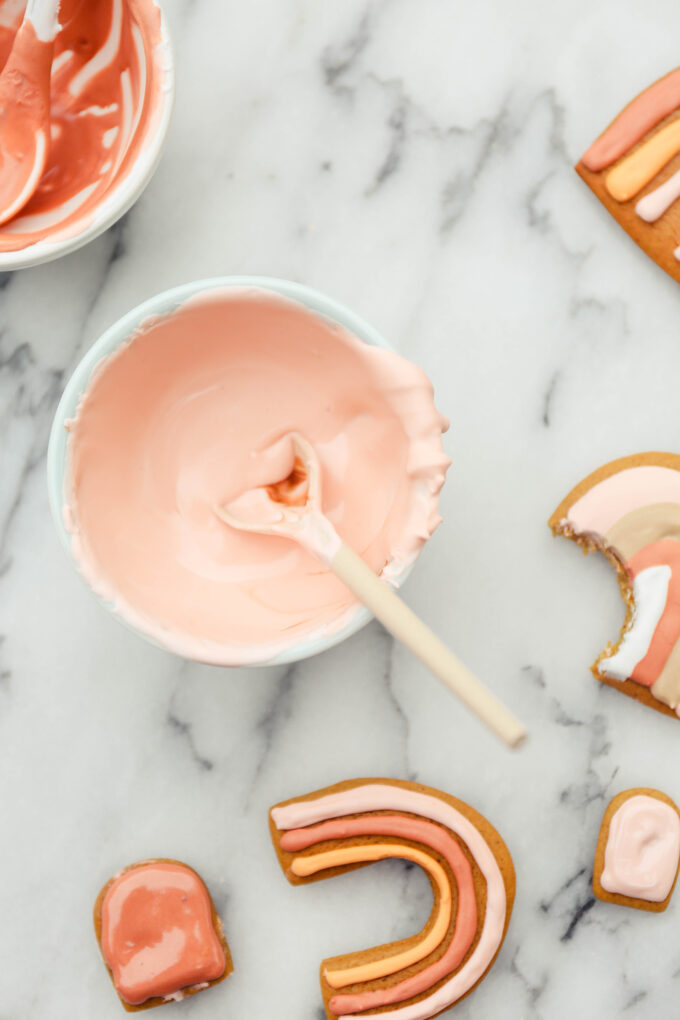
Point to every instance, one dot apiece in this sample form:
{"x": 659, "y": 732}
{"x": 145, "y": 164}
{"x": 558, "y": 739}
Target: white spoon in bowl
{"x": 292, "y": 509}
{"x": 25, "y": 107}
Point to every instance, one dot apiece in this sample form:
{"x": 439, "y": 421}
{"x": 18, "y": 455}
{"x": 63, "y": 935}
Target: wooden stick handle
{"x": 403, "y": 623}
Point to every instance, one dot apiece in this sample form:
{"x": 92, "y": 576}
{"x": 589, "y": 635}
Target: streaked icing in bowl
{"x": 111, "y": 95}
{"x": 178, "y": 418}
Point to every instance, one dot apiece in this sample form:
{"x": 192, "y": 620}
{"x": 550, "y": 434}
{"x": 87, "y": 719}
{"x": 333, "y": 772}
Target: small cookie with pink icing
{"x": 469, "y": 867}
{"x": 630, "y": 511}
{"x": 159, "y": 934}
{"x": 634, "y": 170}
{"x": 638, "y": 850}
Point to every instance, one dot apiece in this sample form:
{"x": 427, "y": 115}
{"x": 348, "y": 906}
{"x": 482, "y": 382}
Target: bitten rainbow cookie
{"x": 634, "y": 169}
{"x": 638, "y": 850}
{"x": 630, "y": 510}
{"x": 159, "y": 934}
{"x": 469, "y": 867}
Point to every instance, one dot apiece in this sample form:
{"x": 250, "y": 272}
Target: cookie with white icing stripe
{"x": 630, "y": 511}
{"x": 469, "y": 867}
{"x": 638, "y": 850}
{"x": 634, "y": 170}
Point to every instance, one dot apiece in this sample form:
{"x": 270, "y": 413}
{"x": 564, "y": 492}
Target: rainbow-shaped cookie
{"x": 634, "y": 169}
{"x": 630, "y": 510}
{"x": 469, "y": 867}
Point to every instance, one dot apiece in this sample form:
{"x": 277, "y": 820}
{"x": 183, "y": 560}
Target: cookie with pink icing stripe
{"x": 159, "y": 934}
{"x": 630, "y": 511}
{"x": 638, "y": 850}
{"x": 634, "y": 170}
{"x": 361, "y": 821}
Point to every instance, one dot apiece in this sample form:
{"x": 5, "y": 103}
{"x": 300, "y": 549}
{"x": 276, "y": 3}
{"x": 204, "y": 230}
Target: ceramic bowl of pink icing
{"x": 112, "y": 87}
{"x": 173, "y": 412}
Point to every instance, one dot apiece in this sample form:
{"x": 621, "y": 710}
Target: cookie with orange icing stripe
{"x": 638, "y": 850}
{"x": 634, "y": 170}
{"x": 159, "y": 934}
{"x": 469, "y": 867}
{"x": 630, "y": 511}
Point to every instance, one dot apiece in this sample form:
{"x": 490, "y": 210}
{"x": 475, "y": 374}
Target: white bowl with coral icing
{"x": 173, "y": 411}
{"x": 112, "y": 88}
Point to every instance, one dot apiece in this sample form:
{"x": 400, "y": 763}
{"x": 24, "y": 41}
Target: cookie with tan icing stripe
{"x": 630, "y": 511}
{"x": 357, "y": 822}
{"x": 634, "y": 170}
{"x": 638, "y": 850}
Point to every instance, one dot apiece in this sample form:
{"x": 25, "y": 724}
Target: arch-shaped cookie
{"x": 630, "y": 511}
{"x": 469, "y": 867}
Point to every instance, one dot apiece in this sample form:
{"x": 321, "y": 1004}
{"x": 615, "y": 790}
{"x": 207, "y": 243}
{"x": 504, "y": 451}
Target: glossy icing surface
{"x": 642, "y": 165}
{"x": 603, "y": 505}
{"x": 633, "y": 123}
{"x": 635, "y": 514}
{"x": 182, "y": 419}
{"x": 654, "y": 205}
{"x": 24, "y": 118}
{"x": 643, "y": 849}
{"x": 386, "y": 797}
{"x": 632, "y": 154}
{"x": 650, "y": 593}
{"x": 341, "y": 857}
{"x": 157, "y": 932}
{"x": 429, "y": 835}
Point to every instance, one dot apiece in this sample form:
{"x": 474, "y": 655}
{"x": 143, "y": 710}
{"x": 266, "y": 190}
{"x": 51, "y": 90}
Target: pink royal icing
{"x": 385, "y": 797}
{"x": 654, "y": 205}
{"x": 157, "y": 932}
{"x": 186, "y": 416}
{"x": 466, "y": 918}
{"x": 643, "y": 849}
{"x": 608, "y": 501}
{"x": 645, "y": 112}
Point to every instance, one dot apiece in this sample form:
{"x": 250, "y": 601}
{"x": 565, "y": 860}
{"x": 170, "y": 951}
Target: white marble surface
{"x": 413, "y": 160}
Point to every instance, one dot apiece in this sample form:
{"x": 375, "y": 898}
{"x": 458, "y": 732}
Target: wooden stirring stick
{"x": 292, "y": 509}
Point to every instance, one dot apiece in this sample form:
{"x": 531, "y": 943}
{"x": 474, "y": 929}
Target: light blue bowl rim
{"x": 163, "y": 304}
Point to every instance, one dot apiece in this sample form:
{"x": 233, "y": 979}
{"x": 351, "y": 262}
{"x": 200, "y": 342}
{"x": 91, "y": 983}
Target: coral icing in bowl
{"x": 111, "y": 97}
{"x": 173, "y": 412}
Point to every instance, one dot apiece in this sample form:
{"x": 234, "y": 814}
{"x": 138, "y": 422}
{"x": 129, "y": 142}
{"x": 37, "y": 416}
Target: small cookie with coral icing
{"x": 469, "y": 867}
{"x": 634, "y": 170}
{"x": 630, "y": 511}
{"x": 638, "y": 850}
{"x": 159, "y": 934}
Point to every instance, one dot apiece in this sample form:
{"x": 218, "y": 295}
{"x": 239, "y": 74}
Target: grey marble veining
{"x": 414, "y": 161}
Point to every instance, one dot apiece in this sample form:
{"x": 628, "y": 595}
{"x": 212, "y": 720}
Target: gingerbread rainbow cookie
{"x": 469, "y": 867}
{"x": 630, "y": 510}
{"x": 159, "y": 934}
{"x": 634, "y": 169}
{"x": 638, "y": 850}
